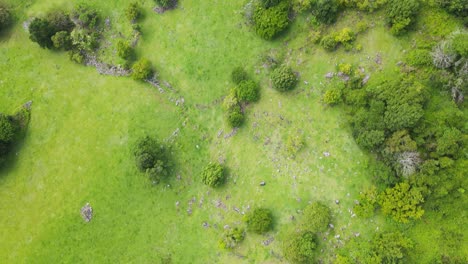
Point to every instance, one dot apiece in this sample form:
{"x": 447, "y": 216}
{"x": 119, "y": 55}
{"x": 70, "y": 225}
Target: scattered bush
{"x": 124, "y": 50}
{"x": 248, "y": 91}
{"x": 460, "y": 44}
{"x": 300, "y": 248}
{"x": 370, "y": 139}
{"x": 86, "y": 15}
{"x": 362, "y": 26}
{"x": 238, "y": 75}
{"x": 62, "y": 40}
{"x": 329, "y": 43}
{"x": 5, "y": 16}
{"x": 260, "y": 220}
{"x": 269, "y": 22}
{"x": 7, "y": 129}
{"x": 332, "y": 96}
{"x": 283, "y": 78}
{"x": 419, "y": 57}
{"x": 316, "y": 217}
{"x": 400, "y": 14}
{"x": 151, "y": 157}
{"x": 391, "y": 247}
{"x": 294, "y": 144}
{"x": 346, "y": 35}
{"x": 142, "y": 70}
{"x": 232, "y": 237}
{"x": 10, "y": 129}
{"x": 235, "y": 116}
{"x": 213, "y": 175}
{"x": 133, "y": 12}
{"x": 41, "y": 32}
{"x": 365, "y": 5}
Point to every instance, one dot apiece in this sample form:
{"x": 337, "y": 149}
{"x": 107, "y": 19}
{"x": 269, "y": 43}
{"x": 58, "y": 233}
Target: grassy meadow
{"x": 78, "y": 146}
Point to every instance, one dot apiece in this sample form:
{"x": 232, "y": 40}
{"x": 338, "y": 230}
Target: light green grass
{"x": 78, "y": 145}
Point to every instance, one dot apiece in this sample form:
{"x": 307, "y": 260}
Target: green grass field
{"x": 77, "y": 148}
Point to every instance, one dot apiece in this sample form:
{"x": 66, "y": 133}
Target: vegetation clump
{"x": 283, "y": 78}
{"x": 270, "y": 22}
{"x": 247, "y": 91}
{"x": 133, "y": 12}
{"x": 5, "y": 16}
{"x": 239, "y": 75}
{"x": 400, "y": 15}
{"x": 213, "y": 175}
{"x": 142, "y": 70}
{"x": 151, "y": 157}
{"x": 232, "y": 237}
{"x": 10, "y": 129}
{"x": 260, "y": 220}
{"x": 402, "y": 202}
{"x": 316, "y": 217}
{"x": 301, "y": 248}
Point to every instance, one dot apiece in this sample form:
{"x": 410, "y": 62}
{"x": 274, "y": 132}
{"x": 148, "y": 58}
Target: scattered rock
{"x": 227, "y": 227}
{"x": 205, "y": 225}
{"x": 28, "y": 105}
{"x": 357, "y": 234}
{"x": 331, "y": 226}
{"x": 337, "y": 236}
{"x": 329, "y": 75}
{"x": 365, "y": 80}
{"x": 326, "y": 154}
{"x": 87, "y": 212}
{"x": 337, "y": 201}
{"x": 262, "y": 183}
{"x": 268, "y": 241}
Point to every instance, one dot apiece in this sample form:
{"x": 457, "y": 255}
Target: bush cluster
{"x": 166, "y": 4}
{"x": 259, "y": 221}
{"x": 133, "y": 12}
{"x": 152, "y": 158}
{"x": 283, "y": 78}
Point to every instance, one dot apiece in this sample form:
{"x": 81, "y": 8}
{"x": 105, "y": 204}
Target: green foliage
{"x": 124, "y": 50}
{"x": 166, "y": 4}
{"x": 419, "y": 57}
{"x": 449, "y": 142}
{"x": 231, "y": 238}
{"x": 456, "y": 7}
{"x": 400, "y": 14}
{"x": 283, "y": 78}
{"x": 391, "y": 247}
{"x": 142, "y": 70}
{"x": 329, "y": 43}
{"x": 342, "y": 260}
{"x": 133, "y": 12}
{"x": 402, "y": 202}
{"x": 84, "y": 40}
{"x": 62, "y": 40}
{"x": 400, "y": 141}
{"x": 86, "y": 15}
{"x": 365, "y": 5}
{"x": 300, "y": 6}
{"x": 5, "y": 16}
{"x": 260, "y": 220}
{"x": 325, "y": 11}
{"x": 332, "y": 96}
{"x": 41, "y": 32}
{"x": 238, "y": 75}
{"x": 269, "y": 22}
{"x": 213, "y": 174}
{"x": 248, "y": 91}
{"x": 316, "y": 217}
{"x": 460, "y": 44}
{"x": 76, "y": 56}
{"x": 269, "y": 3}
{"x": 235, "y": 116}
{"x": 151, "y": 157}
{"x": 60, "y": 21}
{"x": 300, "y": 248}
{"x": 367, "y": 203}
{"x": 346, "y": 35}
{"x": 7, "y": 129}
{"x": 370, "y": 139}
{"x": 294, "y": 144}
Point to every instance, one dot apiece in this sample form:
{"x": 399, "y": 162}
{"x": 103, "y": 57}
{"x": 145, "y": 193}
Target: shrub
{"x": 84, "y": 40}
{"x": 362, "y": 26}
{"x": 248, "y": 91}
{"x": 62, "y": 40}
{"x": 142, "y": 70}
{"x": 60, "y": 21}
{"x": 5, "y": 16}
{"x": 41, "y": 32}
{"x": 400, "y": 14}
{"x": 329, "y": 43}
{"x": 232, "y": 237}
{"x": 124, "y": 50}
{"x": 325, "y": 11}
{"x": 7, "y": 129}
{"x": 86, "y": 15}
{"x": 269, "y": 3}
{"x": 332, "y": 96}
{"x": 300, "y": 6}
{"x": 370, "y": 139}
{"x": 213, "y": 175}
{"x": 133, "y": 11}
{"x": 294, "y": 144}
{"x": 235, "y": 116}
{"x": 268, "y": 23}
{"x": 76, "y": 56}
{"x": 345, "y": 68}
{"x": 460, "y": 44}
{"x": 166, "y": 4}
{"x": 316, "y": 217}
{"x": 367, "y": 203}
{"x": 419, "y": 57}
{"x": 238, "y": 75}
{"x": 230, "y": 101}
{"x": 260, "y": 220}
{"x": 346, "y": 35}
{"x": 391, "y": 247}
{"x": 151, "y": 157}
{"x": 402, "y": 202}
{"x": 283, "y": 78}
{"x": 300, "y": 248}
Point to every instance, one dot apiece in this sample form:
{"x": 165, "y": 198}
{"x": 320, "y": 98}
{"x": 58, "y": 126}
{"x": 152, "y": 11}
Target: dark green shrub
{"x": 86, "y": 15}
{"x": 401, "y": 14}
{"x": 213, "y": 174}
{"x": 300, "y": 248}
{"x": 151, "y": 157}
{"x": 41, "y": 32}
{"x": 260, "y": 220}
{"x": 133, "y": 11}
{"x": 370, "y": 139}
{"x": 235, "y": 116}
{"x": 329, "y": 43}
{"x": 268, "y": 23}
{"x": 62, "y": 40}
{"x": 456, "y": 7}
{"x": 142, "y": 70}
{"x": 166, "y": 4}
{"x": 270, "y": 3}
{"x": 391, "y": 247}
{"x": 316, "y": 217}
{"x": 5, "y": 16}
{"x": 238, "y": 75}
{"x": 283, "y": 78}
{"x": 124, "y": 50}
{"x": 231, "y": 238}
{"x": 60, "y": 21}
{"x": 248, "y": 91}
{"x": 7, "y": 129}
{"x": 325, "y": 11}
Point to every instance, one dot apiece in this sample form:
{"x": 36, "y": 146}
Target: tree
{"x": 213, "y": 175}
{"x": 235, "y": 116}
{"x": 402, "y": 202}
{"x": 86, "y": 15}
{"x": 142, "y": 70}
{"x": 248, "y": 91}
{"x": 391, "y": 247}
{"x": 367, "y": 202}
{"x": 41, "y": 32}
{"x": 151, "y": 157}
{"x": 325, "y": 10}
{"x": 238, "y": 75}
{"x": 7, "y": 129}
{"x": 449, "y": 142}
{"x": 402, "y": 115}
{"x": 370, "y": 139}
{"x": 62, "y": 40}
{"x": 60, "y": 21}
{"x": 283, "y": 78}
{"x": 232, "y": 237}
{"x": 300, "y": 248}
{"x": 400, "y": 14}
{"x": 260, "y": 220}
{"x": 316, "y": 217}
{"x": 269, "y": 22}
{"x": 5, "y": 16}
